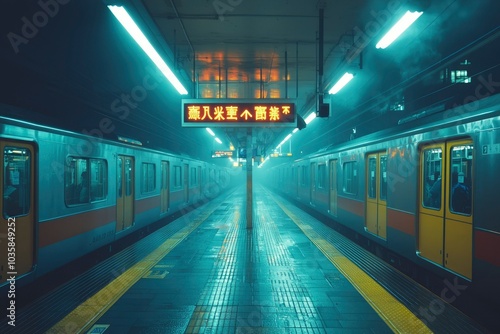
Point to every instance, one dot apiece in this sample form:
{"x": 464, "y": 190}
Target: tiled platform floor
{"x": 224, "y": 278}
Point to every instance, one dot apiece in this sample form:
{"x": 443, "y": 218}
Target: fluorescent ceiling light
{"x": 128, "y": 23}
{"x": 284, "y": 140}
{"x": 263, "y": 162}
{"x": 400, "y": 26}
{"x": 341, "y": 83}
{"x": 218, "y": 140}
{"x": 210, "y": 131}
{"x": 295, "y": 130}
{"x": 310, "y": 118}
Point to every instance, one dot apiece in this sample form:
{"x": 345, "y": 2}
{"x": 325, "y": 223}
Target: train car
{"x": 425, "y": 195}
{"x": 66, "y": 194}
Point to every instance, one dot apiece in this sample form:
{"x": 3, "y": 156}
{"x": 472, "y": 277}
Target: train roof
{"x": 423, "y": 121}
{"x": 62, "y": 132}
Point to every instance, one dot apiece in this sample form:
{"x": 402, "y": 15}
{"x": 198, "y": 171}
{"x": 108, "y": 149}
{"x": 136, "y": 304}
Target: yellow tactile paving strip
{"x": 84, "y": 316}
{"x": 395, "y": 314}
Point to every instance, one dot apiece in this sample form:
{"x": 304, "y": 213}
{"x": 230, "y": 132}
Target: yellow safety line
{"x": 86, "y": 314}
{"x": 399, "y": 318}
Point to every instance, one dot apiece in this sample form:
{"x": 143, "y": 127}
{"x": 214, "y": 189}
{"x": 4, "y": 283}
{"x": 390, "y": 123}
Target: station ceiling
{"x": 70, "y": 64}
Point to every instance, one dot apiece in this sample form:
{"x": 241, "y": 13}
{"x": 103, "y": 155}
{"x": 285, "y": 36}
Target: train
{"x": 423, "y": 194}
{"x": 66, "y": 194}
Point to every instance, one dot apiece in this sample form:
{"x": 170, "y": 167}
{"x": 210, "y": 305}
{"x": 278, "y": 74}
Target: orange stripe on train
{"x": 57, "y": 230}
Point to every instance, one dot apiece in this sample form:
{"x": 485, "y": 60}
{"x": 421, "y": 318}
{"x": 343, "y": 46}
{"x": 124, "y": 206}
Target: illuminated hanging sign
{"x": 236, "y": 112}
{"x": 222, "y": 154}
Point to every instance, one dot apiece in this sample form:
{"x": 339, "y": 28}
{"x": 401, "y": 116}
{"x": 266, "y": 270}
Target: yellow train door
{"x": 17, "y": 229}
{"x": 125, "y": 193}
{"x": 376, "y": 194}
{"x": 333, "y": 187}
{"x": 165, "y": 186}
{"x": 458, "y": 211}
{"x": 445, "y": 210}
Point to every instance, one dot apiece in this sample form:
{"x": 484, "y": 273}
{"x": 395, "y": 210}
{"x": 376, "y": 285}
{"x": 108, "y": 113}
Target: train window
{"x": 177, "y": 177}
{"x": 350, "y": 180}
{"x": 304, "y": 176}
{"x": 322, "y": 176}
{"x": 148, "y": 180}
{"x": 432, "y": 177}
{"x": 85, "y": 180}
{"x": 461, "y": 176}
{"x": 16, "y": 181}
{"x": 194, "y": 180}
{"x": 383, "y": 177}
{"x": 372, "y": 177}
{"x": 128, "y": 177}
{"x": 98, "y": 179}
{"x": 211, "y": 175}
{"x": 76, "y": 181}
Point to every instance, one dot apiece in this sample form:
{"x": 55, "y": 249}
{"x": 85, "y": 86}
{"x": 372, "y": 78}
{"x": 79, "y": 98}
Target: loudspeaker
{"x": 301, "y": 124}
{"x": 324, "y": 110}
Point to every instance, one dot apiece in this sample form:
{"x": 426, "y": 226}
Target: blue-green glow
{"x": 128, "y": 23}
{"x": 400, "y": 26}
{"x": 341, "y": 83}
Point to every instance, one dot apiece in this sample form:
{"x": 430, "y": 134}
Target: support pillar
{"x": 249, "y": 179}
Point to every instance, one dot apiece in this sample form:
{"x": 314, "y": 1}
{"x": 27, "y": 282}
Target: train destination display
{"x": 236, "y": 113}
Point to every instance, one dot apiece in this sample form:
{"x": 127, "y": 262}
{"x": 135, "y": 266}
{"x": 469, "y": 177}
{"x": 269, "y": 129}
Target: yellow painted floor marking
{"x": 85, "y": 315}
{"x": 395, "y": 314}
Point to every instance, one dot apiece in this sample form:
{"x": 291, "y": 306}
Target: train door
{"x": 445, "y": 209}
{"x": 165, "y": 186}
{"x": 376, "y": 194}
{"x": 125, "y": 193}
{"x": 312, "y": 182}
{"x": 333, "y": 187}
{"x": 17, "y": 229}
{"x": 186, "y": 183}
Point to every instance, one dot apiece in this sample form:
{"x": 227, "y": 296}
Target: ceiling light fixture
{"x": 210, "y": 131}
{"x": 341, "y": 83}
{"x": 128, "y": 23}
{"x": 218, "y": 140}
{"x": 310, "y": 118}
{"x": 284, "y": 140}
{"x": 396, "y": 30}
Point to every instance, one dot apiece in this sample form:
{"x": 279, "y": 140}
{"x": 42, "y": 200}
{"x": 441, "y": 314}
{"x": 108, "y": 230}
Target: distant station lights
{"x": 400, "y": 26}
{"x": 128, "y": 23}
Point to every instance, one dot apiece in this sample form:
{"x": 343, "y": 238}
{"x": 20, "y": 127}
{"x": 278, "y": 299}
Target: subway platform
{"x": 207, "y": 273}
